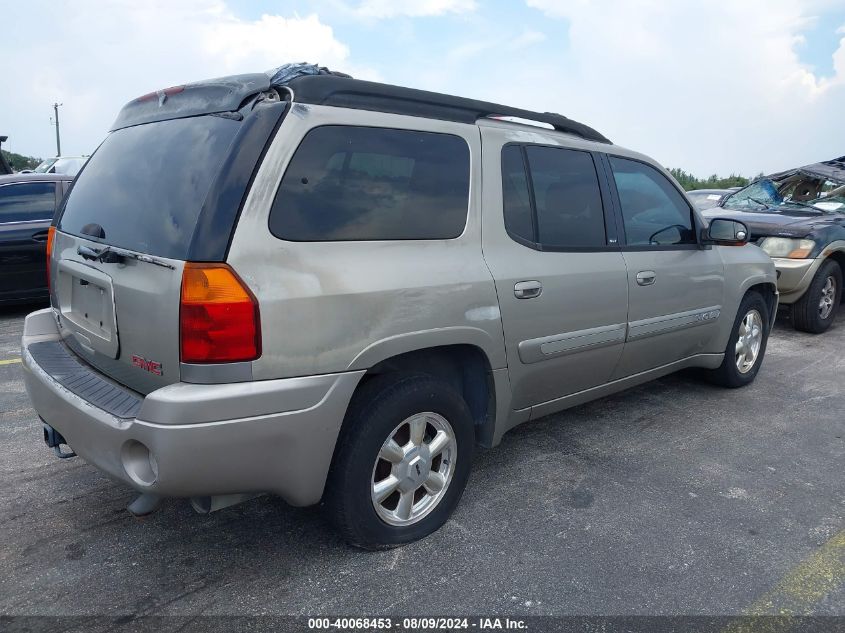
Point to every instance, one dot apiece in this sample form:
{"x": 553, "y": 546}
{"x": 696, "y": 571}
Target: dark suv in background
{"x": 798, "y": 217}
{"x": 28, "y": 203}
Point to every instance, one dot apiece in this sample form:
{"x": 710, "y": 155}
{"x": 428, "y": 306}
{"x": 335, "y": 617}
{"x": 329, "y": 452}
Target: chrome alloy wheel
{"x": 749, "y": 342}
{"x": 413, "y": 469}
{"x": 828, "y": 297}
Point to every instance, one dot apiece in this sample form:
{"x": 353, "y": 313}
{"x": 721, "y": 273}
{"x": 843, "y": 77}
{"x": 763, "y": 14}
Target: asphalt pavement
{"x": 676, "y": 497}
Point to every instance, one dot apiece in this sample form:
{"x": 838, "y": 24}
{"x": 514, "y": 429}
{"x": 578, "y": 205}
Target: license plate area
{"x": 86, "y": 304}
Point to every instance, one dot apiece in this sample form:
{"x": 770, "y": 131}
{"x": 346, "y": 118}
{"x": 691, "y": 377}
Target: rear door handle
{"x": 527, "y": 289}
{"x": 646, "y": 277}
{"x": 40, "y": 236}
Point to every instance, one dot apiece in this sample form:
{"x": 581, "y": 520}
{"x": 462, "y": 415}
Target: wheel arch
{"x": 465, "y": 366}
{"x": 839, "y": 257}
{"x": 769, "y": 292}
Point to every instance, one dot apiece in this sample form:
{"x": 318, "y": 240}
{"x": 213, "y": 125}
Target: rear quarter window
{"x": 349, "y": 183}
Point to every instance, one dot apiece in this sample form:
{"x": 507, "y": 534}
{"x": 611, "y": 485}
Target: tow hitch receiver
{"x": 54, "y": 440}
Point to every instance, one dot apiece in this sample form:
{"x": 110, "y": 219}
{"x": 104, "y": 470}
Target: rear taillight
{"x": 218, "y": 316}
{"x": 51, "y": 233}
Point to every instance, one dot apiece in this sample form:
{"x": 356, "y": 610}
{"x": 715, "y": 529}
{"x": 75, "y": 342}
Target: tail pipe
{"x": 207, "y": 505}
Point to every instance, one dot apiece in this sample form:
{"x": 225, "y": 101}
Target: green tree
{"x": 690, "y": 182}
{"x": 18, "y": 162}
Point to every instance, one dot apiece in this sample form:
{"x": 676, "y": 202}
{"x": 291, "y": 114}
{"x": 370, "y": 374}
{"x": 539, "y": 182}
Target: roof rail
{"x": 369, "y": 95}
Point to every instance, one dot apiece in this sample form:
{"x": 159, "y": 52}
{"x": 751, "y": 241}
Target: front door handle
{"x": 646, "y": 277}
{"x": 40, "y": 236}
{"x": 527, "y": 289}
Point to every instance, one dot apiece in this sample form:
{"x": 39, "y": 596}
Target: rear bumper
{"x": 190, "y": 440}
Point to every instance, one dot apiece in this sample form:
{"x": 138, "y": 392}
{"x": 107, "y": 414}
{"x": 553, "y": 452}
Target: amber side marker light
{"x": 219, "y": 320}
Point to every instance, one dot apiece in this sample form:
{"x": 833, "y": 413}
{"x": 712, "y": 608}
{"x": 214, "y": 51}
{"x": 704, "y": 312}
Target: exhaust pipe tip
{"x": 144, "y": 504}
{"x": 201, "y": 505}
{"x": 213, "y": 503}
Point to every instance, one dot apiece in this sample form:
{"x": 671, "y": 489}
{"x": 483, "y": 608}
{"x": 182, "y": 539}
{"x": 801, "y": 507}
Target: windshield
{"x": 145, "y": 185}
{"x": 766, "y": 196}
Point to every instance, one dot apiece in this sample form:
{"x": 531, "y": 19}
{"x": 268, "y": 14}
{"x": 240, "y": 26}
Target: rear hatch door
{"x": 122, "y": 239}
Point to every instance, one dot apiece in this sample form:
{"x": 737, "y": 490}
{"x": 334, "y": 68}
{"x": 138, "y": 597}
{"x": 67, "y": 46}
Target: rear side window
{"x": 145, "y": 185}
{"x": 27, "y": 201}
{"x": 519, "y": 216}
{"x": 653, "y": 210}
{"x": 359, "y": 183}
{"x": 561, "y": 206}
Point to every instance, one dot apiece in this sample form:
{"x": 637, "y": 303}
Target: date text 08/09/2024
{"x": 415, "y": 624}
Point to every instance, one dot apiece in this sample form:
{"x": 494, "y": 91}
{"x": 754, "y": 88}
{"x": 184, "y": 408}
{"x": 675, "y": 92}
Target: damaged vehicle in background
{"x": 798, "y": 217}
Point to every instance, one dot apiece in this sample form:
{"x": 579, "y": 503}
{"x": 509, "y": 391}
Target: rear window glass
{"x": 27, "y": 201}
{"x": 519, "y": 217}
{"x": 565, "y": 210}
{"x": 568, "y": 198}
{"x": 146, "y": 184}
{"x": 359, "y": 183}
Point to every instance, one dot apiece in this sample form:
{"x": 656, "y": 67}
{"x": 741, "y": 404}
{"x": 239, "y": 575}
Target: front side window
{"x": 27, "y": 202}
{"x": 567, "y": 209}
{"x": 653, "y": 211}
{"x": 360, "y": 183}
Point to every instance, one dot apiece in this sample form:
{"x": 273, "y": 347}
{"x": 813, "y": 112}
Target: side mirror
{"x": 725, "y": 232}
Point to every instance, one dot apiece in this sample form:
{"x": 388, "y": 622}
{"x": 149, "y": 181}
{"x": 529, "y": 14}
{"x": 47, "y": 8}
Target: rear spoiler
{"x": 212, "y": 96}
{"x": 5, "y": 168}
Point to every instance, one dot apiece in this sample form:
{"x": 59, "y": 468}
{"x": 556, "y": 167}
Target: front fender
{"x": 745, "y": 267}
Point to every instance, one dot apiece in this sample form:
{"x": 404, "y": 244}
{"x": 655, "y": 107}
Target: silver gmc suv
{"x": 333, "y": 290}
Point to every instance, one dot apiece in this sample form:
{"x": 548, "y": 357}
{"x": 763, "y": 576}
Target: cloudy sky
{"x": 711, "y": 86}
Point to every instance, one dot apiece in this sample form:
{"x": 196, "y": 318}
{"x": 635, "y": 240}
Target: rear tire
{"x": 816, "y": 309}
{"x": 419, "y": 477}
{"x": 746, "y": 345}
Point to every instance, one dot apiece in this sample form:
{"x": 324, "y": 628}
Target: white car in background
{"x": 69, "y": 165}
{"x": 709, "y": 198}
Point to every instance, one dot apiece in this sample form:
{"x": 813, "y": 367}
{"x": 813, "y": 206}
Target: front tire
{"x": 401, "y": 463}
{"x": 747, "y": 344}
{"x": 816, "y": 309}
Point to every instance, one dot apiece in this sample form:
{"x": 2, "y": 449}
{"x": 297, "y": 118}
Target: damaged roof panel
{"x": 833, "y": 169}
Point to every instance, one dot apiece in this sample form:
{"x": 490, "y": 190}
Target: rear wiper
{"x": 109, "y": 255}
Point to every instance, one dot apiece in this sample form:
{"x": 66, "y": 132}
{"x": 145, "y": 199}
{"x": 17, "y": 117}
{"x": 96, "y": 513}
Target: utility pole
{"x": 58, "y": 138}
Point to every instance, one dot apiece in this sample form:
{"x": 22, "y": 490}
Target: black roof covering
{"x": 227, "y": 94}
{"x": 833, "y": 169}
